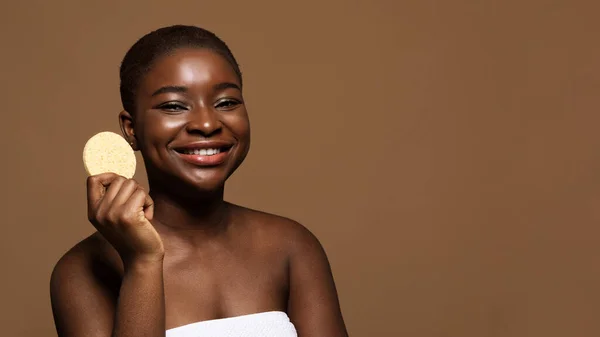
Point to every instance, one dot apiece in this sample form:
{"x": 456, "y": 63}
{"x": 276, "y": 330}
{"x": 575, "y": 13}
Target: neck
{"x": 189, "y": 219}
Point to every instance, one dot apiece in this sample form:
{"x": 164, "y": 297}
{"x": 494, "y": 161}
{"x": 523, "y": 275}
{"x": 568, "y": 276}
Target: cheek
{"x": 163, "y": 127}
{"x": 156, "y": 132}
{"x": 239, "y": 125}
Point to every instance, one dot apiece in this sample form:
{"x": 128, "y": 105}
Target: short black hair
{"x": 140, "y": 57}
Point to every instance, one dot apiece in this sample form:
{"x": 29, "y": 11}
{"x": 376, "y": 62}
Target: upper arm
{"x": 313, "y": 301}
{"x": 81, "y": 304}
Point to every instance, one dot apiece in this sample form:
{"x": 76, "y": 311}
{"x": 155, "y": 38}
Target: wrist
{"x": 144, "y": 263}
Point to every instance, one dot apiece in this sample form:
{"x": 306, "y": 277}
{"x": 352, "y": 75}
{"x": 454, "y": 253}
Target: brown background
{"x": 445, "y": 152}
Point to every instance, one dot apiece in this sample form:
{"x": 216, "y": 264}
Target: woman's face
{"x": 190, "y": 122}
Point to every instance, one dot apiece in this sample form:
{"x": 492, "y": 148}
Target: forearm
{"x": 141, "y": 305}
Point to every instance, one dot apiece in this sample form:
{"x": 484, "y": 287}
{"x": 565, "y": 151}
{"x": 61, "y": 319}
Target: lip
{"x": 204, "y": 160}
{"x": 207, "y": 144}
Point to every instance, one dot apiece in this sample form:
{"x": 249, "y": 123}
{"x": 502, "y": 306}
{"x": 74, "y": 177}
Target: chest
{"x": 223, "y": 284}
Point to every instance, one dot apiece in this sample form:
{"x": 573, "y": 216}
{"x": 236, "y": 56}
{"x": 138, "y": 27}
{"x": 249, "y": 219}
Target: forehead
{"x": 188, "y": 67}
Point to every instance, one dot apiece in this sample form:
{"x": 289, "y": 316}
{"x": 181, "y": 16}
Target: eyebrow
{"x": 226, "y": 85}
{"x": 181, "y": 89}
{"x": 168, "y": 89}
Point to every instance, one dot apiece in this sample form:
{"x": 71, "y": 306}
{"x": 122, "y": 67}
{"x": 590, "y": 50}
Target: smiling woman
{"x": 179, "y": 260}
{"x": 188, "y": 101}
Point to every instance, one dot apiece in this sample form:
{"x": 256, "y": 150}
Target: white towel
{"x": 264, "y": 324}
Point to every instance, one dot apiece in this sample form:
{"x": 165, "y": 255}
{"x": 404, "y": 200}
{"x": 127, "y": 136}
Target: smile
{"x": 202, "y": 152}
{"x": 209, "y": 153}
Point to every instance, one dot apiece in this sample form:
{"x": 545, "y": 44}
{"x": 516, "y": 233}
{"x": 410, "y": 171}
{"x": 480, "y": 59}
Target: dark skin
{"x": 180, "y": 253}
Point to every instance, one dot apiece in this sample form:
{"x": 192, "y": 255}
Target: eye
{"x": 227, "y": 104}
{"x": 172, "y": 107}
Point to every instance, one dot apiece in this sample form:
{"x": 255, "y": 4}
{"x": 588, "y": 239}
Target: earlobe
{"x": 126, "y": 123}
{"x": 133, "y": 144}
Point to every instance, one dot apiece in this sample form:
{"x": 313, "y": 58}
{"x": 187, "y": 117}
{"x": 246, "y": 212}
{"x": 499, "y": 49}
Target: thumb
{"x": 148, "y": 208}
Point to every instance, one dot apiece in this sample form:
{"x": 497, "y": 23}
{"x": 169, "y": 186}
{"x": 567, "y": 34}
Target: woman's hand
{"x": 121, "y": 211}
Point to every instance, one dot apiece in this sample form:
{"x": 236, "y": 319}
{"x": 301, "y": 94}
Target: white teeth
{"x": 203, "y": 152}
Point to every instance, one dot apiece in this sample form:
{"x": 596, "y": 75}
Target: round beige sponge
{"x": 109, "y": 152}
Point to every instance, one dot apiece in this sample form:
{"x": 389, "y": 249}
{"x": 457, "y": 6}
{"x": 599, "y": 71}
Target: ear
{"x": 126, "y": 122}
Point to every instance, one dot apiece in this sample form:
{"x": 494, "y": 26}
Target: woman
{"x": 181, "y": 261}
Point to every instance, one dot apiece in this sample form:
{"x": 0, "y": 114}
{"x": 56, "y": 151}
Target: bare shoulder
{"x": 90, "y": 259}
{"x": 75, "y": 258}
{"x": 93, "y": 247}
{"x": 313, "y": 304}
{"x": 84, "y": 288}
{"x": 289, "y": 233}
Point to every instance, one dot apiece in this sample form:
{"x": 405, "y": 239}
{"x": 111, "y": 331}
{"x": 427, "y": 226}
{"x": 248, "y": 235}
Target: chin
{"x": 205, "y": 181}
{"x": 208, "y": 187}
{"x": 200, "y": 183}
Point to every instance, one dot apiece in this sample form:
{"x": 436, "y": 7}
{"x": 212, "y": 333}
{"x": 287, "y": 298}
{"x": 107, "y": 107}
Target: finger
{"x": 148, "y": 207}
{"x": 139, "y": 202}
{"x": 148, "y": 204}
{"x": 96, "y": 187}
{"x": 127, "y": 188}
{"x": 110, "y": 193}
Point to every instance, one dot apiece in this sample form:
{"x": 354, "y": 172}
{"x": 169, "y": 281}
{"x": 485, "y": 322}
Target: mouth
{"x": 205, "y": 153}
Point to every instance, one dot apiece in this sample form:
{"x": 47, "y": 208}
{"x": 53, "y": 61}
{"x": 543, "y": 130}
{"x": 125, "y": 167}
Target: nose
{"x": 204, "y": 121}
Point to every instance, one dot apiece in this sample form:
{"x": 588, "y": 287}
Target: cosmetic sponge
{"x": 109, "y": 152}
